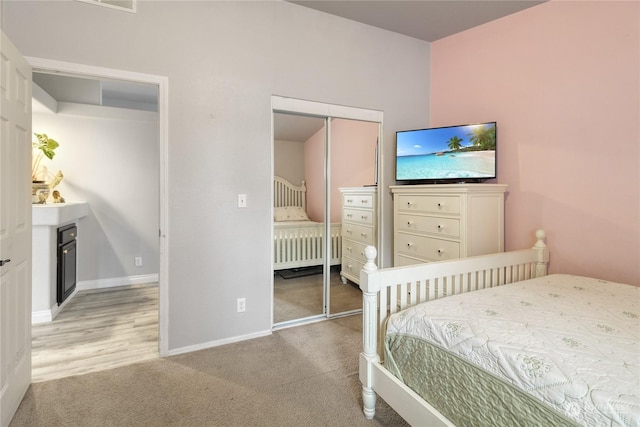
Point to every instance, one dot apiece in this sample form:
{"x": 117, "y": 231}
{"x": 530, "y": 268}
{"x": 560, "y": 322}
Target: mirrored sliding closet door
{"x": 317, "y": 161}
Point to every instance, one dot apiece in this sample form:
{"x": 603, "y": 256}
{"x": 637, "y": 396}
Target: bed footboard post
{"x": 370, "y": 288}
{"x": 543, "y": 254}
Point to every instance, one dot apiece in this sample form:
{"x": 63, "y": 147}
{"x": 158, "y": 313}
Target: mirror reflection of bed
{"x": 299, "y": 258}
{"x": 299, "y": 214}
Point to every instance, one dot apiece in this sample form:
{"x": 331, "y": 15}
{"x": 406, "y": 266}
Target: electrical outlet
{"x": 242, "y": 305}
{"x": 138, "y": 261}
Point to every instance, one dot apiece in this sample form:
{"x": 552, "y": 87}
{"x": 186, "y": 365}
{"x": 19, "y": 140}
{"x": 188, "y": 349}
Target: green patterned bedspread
{"x": 558, "y": 350}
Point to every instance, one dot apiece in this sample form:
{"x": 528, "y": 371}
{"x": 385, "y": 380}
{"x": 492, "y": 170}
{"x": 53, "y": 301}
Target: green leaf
{"x": 45, "y": 144}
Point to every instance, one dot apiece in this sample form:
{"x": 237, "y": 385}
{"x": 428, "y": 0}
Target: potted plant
{"x": 43, "y": 147}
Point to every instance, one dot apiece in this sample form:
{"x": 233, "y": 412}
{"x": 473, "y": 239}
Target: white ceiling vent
{"x": 126, "y": 5}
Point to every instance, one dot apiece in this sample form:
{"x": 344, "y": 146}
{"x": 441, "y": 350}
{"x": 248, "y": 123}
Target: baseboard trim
{"x": 46, "y": 316}
{"x": 217, "y": 343}
{"x": 117, "y": 281}
{"x": 42, "y": 316}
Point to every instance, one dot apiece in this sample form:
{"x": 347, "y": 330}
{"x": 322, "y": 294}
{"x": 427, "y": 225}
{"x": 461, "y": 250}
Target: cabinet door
{"x": 66, "y": 270}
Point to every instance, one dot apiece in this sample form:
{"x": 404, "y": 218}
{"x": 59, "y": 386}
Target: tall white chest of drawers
{"x": 447, "y": 221}
{"x": 359, "y": 229}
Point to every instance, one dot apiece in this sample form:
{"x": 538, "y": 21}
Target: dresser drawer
{"x": 441, "y": 226}
{"x": 358, "y": 233}
{"x": 358, "y": 201}
{"x": 429, "y": 204}
{"x": 353, "y": 249}
{"x": 358, "y": 215}
{"x": 428, "y": 248}
{"x": 352, "y": 267}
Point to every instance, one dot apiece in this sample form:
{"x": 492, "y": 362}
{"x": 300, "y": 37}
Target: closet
{"x": 323, "y": 152}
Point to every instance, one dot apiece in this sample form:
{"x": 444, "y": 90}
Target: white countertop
{"x": 53, "y": 214}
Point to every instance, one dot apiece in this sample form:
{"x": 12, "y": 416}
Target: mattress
{"x": 556, "y": 350}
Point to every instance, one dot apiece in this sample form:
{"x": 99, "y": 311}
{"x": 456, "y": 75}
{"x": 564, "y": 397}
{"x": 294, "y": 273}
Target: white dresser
{"x": 447, "y": 221}
{"x": 359, "y": 229}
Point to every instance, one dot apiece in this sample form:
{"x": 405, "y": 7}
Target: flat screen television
{"x": 451, "y": 154}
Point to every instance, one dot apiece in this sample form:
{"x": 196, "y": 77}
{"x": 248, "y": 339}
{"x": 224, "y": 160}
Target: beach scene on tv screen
{"x": 457, "y": 152}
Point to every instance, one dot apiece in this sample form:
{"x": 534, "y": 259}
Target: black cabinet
{"x": 66, "y": 261}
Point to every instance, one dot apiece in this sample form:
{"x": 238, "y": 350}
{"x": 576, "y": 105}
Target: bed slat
{"x": 386, "y": 290}
{"x": 287, "y": 194}
{"x": 302, "y": 246}
{"x": 410, "y": 285}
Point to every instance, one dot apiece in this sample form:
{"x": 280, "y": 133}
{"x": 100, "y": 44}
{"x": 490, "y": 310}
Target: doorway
{"x": 324, "y": 147}
{"x": 161, "y": 83}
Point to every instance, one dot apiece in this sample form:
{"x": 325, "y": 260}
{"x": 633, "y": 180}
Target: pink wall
{"x": 314, "y": 175}
{"x": 562, "y": 80}
{"x": 352, "y": 164}
{"x": 353, "y": 158}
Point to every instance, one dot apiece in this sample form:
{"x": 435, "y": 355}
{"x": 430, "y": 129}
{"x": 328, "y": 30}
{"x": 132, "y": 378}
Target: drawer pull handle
{"x": 349, "y": 249}
{"x": 440, "y": 205}
{"x": 409, "y": 223}
{"x": 364, "y": 217}
{"x": 4, "y": 261}
{"x": 409, "y": 244}
{"x": 363, "y": 235}
{"x": 409, "y": 203}
{"x": 440, "y": 227}
{"x": 349, "y": 231}
{"x": 349, "y": 215}
{"x": 440, "y": 251}
{"x": 349, "y": 200}
{"x": 364, "y": 201}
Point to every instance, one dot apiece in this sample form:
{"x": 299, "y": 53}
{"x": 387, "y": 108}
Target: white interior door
{"x": 15, "y": 229}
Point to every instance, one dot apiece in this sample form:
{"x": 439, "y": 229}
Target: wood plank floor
{"x": 97, "y": 330}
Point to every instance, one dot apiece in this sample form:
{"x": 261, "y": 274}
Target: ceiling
{"x": 427, "y": 20}
{"x": 289, "y": 127}
{"x": 49, "y": 89}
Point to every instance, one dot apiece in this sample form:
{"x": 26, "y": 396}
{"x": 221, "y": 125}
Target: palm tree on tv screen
{"x": 454, "y": 143}
{"x": 484, "y": 137}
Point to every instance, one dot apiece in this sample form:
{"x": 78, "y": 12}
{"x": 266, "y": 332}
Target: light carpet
{"x": 302, "y": 376}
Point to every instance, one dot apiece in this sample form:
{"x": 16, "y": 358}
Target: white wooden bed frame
{"x": 387, "y": 291}
{"x": 299, "y": 245}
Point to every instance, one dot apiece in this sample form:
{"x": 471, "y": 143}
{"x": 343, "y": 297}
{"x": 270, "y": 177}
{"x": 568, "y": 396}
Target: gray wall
{"x": 288, "y": 160}
{"x": 110, "y": 159}
{"x": 223, "y": 61}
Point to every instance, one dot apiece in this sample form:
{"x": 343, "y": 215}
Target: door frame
{"x": 287, "y": 105}
{"x": 82, "y": 70}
